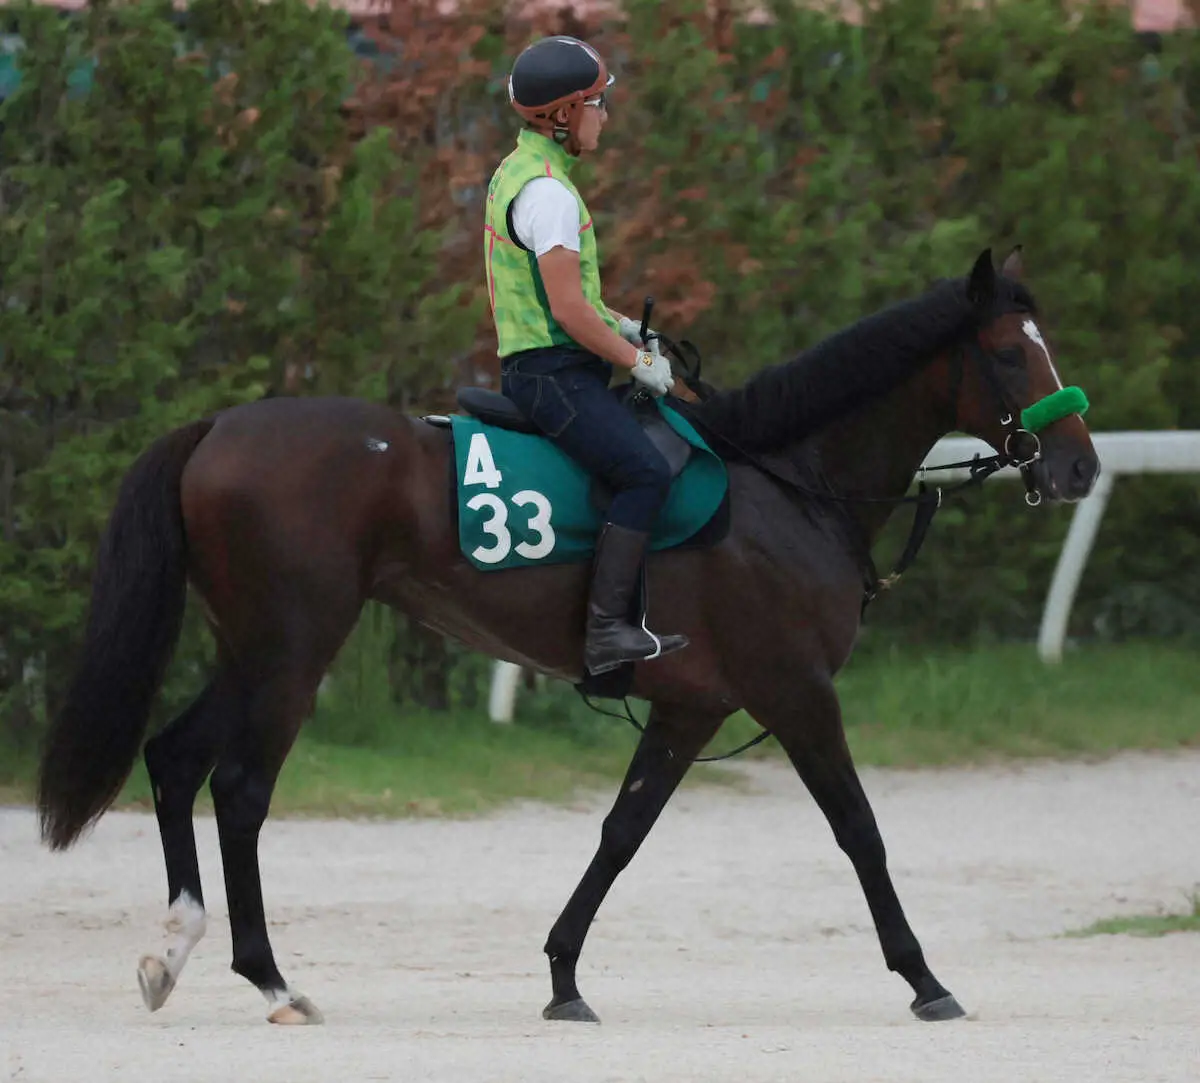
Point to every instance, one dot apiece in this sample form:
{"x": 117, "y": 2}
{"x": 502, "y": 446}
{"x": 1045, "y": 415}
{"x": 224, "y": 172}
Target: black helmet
{"x": 553, "y": 73}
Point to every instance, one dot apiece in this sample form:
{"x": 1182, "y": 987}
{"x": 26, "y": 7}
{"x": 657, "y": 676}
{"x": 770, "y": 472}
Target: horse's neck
{"x": 875, "y": 451}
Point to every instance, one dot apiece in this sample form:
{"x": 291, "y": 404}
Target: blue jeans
{"x": 565, "y": 393}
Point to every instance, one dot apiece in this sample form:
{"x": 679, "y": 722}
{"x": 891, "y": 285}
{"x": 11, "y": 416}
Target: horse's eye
{"x": 1013, "y": 356}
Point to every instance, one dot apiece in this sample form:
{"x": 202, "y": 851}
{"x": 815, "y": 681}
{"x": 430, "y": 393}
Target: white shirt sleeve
{"x": 545, "y": 215}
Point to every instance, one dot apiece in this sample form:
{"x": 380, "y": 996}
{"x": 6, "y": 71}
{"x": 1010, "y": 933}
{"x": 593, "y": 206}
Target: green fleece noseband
{"x": 1063, "y": 403}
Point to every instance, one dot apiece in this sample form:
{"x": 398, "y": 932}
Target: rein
{"x": 628, "y": 717}
{"x": 1022, "y": 449}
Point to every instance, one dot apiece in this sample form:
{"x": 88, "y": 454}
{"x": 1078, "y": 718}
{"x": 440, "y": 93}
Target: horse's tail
{"x": 138, "y": 595}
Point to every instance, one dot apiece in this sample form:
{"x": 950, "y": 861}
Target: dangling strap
{"x": 928, "y": 502}
{"x": 628, "y": 716}
{"x": 925, "y": 507}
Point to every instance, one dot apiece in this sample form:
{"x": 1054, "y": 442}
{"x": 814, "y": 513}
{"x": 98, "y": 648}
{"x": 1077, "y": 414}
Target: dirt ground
{"x": 737, "y": 946}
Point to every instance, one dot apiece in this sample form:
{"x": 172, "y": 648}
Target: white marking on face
{"x": 1034, "y": 334}
{"x": 376, "y": 445}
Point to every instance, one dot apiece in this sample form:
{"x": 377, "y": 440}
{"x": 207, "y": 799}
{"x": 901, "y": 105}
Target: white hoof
{"x": 297, "y": 1012}
{"x": 157, "y": 974}
{"x": 155, "y": 980}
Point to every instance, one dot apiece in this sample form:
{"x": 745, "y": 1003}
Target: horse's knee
{"x": 180, "y": 756}
{"x": 166, "y": 751}
{"x": 859, "y": 838}
{"x": 241, "y": 797}
{"x": 174, "y": 776}
{"x": 619, "y": 840}
{"x": 156, "y": 757}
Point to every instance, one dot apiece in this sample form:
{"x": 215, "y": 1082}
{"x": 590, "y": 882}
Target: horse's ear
{"x": 981, "y": 287}
{"x": 1014, "y": 265}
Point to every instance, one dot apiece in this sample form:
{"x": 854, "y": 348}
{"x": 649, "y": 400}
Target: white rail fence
{"x": 1120, "y": 453}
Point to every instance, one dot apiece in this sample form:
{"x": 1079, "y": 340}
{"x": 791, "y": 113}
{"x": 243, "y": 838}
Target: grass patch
{"x": 461, "y": 763}
{"x": 362, "y": 757}
{"x": 435, "y": 767}
{"x": 414, "y": 763}
{"x": 1147, "y": 925}
{"x": 914, "y": 708}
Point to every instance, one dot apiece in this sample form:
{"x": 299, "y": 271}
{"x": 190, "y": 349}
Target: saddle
{"x": 493, "y": 408}
{"x": 544, "y": 496}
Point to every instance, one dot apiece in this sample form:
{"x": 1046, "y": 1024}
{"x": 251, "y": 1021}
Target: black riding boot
{"x": 611, "y": 639}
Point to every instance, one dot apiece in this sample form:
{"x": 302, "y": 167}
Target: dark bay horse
{"x": 286, "y": 515}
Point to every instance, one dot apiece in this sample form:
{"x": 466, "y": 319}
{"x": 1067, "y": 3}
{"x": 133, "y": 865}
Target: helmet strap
{"x": 565, "y": 135}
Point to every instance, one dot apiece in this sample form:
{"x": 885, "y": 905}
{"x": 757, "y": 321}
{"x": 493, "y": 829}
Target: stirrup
{"x": 664, "y": 644}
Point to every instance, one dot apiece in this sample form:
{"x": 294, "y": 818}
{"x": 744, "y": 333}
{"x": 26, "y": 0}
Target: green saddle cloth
{"x": 522, "y": 502}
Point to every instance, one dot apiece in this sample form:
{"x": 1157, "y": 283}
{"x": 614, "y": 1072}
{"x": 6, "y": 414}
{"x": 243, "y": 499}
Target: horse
{"x": 287, "y": 514}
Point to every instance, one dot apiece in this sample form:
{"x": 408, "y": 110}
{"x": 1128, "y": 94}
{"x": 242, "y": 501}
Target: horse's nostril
{"x": 1083, "y": 474}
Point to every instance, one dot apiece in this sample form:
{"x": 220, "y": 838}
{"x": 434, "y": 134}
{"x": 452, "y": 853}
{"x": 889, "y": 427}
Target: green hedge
{"x": 204, "y": 227}
{"x": 198, "y": 230}
{"x": 820, "y": 170}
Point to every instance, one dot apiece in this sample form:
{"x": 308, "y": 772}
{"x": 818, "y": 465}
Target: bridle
{"x": 1022, "y": 447}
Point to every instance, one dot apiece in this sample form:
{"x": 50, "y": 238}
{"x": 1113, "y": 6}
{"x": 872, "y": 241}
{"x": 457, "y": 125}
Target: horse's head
{"x": 1008, "y": 392}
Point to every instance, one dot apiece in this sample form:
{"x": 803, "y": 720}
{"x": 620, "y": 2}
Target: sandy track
{"x": 736, "y": 947}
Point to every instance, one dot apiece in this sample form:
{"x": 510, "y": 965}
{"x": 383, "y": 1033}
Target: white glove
{"x": 653, "y": 371}
{"x": 631, "y": 332}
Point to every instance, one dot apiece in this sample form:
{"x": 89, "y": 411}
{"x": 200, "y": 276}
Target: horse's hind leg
{"x": 672, "y": 740}
{"x": 241, "y": 785}
{"x": 298, "y": 643}
{"x": 813, "y": 737}
{"x": 178, "y": 760}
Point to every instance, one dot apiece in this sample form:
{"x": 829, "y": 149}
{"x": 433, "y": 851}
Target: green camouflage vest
{"x": 520, "y": 307}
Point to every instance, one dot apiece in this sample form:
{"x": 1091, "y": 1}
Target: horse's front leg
{"x": 808, "y": 724}
{"x": 672, "y": 740}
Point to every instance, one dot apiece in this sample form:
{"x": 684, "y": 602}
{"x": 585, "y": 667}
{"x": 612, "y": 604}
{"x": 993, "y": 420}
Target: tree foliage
{"x": 237, "y": 206}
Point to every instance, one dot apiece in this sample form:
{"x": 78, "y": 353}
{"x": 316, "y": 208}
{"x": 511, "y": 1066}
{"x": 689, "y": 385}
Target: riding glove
{"x": 654, "y": 372}
{"x": 631, "y": 331}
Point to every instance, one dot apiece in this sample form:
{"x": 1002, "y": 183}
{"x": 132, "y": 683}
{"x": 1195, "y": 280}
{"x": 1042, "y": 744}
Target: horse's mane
{"x": 780, "y": 405}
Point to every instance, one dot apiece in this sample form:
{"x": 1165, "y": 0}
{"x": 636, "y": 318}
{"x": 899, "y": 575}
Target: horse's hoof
{"x": 570, "y": 1011}
{"x": 938, "y": 1011}
{"x": 297, "y": 1013}
{"x": 155, "y": 981}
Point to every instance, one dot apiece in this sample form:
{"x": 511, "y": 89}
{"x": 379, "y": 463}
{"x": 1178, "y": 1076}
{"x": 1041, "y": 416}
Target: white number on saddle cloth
{"x": 493, "y": 526}
{"x": 481, "y": 467}
{"x": 539, "y": 521}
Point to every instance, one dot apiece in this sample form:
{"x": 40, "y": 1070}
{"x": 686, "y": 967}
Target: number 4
{"x": 481, "y": 467}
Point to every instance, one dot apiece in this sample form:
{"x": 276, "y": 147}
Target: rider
{"x": 558, "y": 342}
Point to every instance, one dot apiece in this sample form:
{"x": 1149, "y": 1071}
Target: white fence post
{"x": 1067, "y": 573}
{"x": 503, "y": 696}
